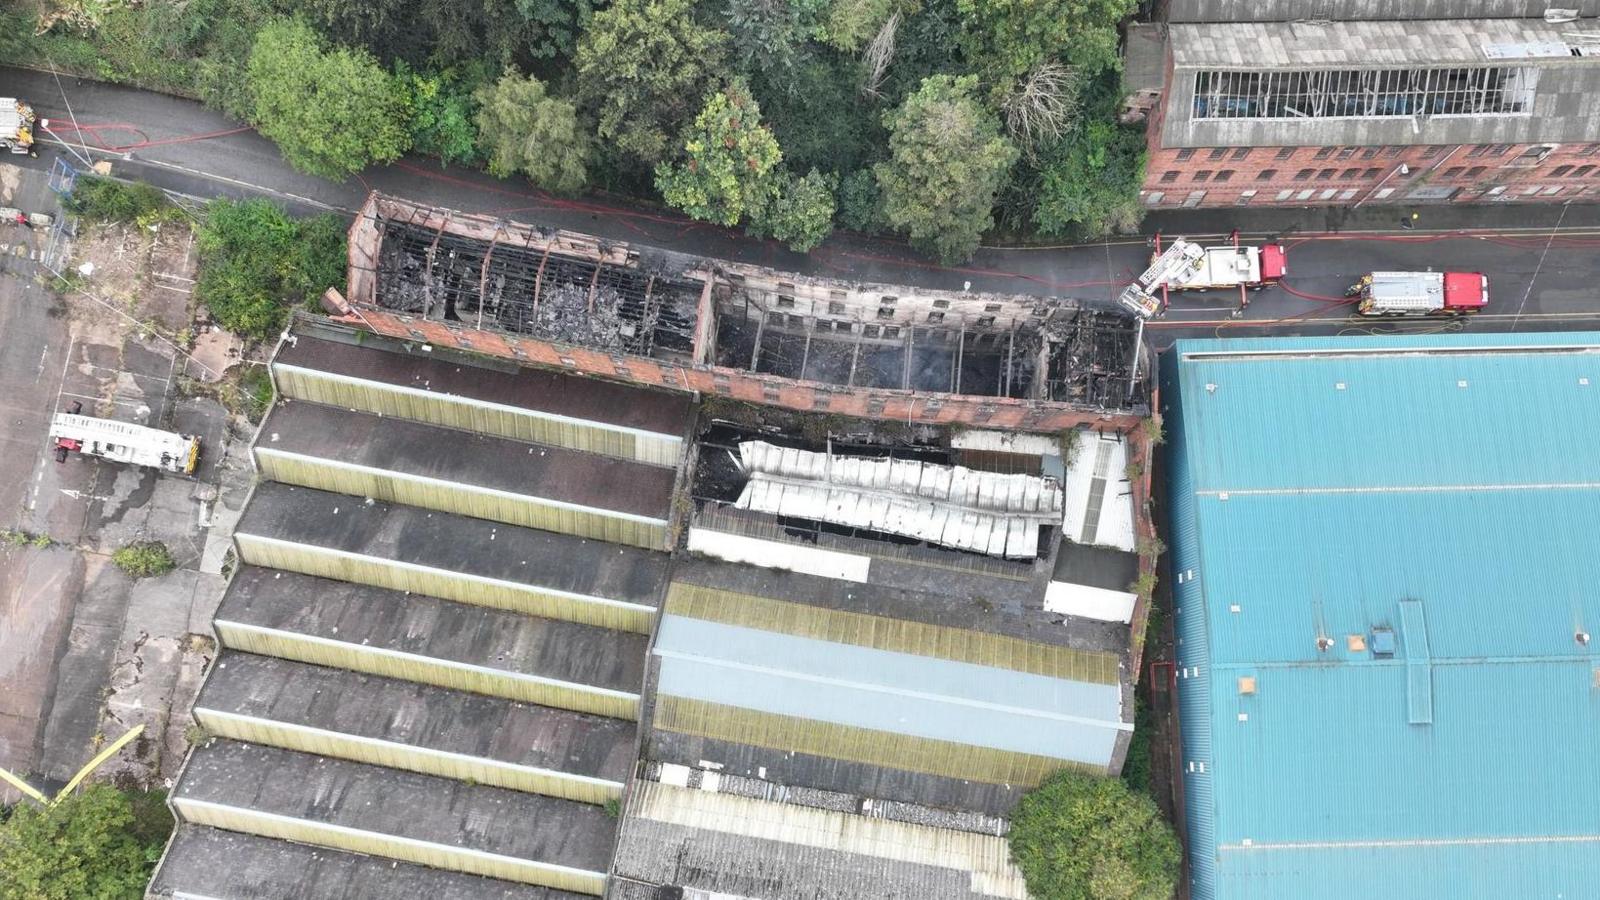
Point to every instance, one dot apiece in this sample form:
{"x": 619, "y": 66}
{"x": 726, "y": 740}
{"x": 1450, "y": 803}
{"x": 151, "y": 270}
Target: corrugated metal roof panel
{"x": 987, "y": 512}
{"x": 864, "y": 687}
{"x": 1337, "y": 488}
{"x": 1361, "y": 44}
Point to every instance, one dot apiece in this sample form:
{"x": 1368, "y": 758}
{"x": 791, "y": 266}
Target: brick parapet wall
{"x": 1475, "y": 173}
{"x": 802, "y": 396}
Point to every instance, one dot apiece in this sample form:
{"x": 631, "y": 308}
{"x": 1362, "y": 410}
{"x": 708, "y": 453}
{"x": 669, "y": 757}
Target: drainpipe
{"x": 1393, "y": 172}
{"x": 1430, "y": 170}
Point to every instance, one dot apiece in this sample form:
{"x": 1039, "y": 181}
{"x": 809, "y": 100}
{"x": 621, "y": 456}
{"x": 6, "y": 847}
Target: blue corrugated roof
{"x": 1447, "y": 488}
{"x": 925, "y": 696}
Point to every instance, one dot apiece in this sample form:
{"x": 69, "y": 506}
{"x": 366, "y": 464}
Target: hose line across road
{"x": 1541, "y": 259}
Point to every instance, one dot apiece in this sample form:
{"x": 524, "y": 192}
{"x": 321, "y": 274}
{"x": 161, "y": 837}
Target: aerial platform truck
{"x": 1186, "y": 266}
{"x": 123, "y": 442}
{"x": 1420, "y": 293}
{"x": 17, "y": 121}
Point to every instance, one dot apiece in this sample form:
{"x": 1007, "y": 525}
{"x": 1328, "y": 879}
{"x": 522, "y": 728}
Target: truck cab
{"x": 17, "y": 121}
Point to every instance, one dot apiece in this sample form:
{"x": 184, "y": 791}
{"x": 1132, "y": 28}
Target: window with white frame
{"x": 1365, "y": 93}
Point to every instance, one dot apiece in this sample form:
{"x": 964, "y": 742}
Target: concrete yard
{"x": 87, "y": 653}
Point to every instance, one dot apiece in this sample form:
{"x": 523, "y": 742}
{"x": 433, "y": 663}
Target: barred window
{"x": 1373, "y": 93}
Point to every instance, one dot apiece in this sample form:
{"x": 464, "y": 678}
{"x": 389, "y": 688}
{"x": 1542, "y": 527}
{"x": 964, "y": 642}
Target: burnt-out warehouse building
{"x": 579, "y": 568}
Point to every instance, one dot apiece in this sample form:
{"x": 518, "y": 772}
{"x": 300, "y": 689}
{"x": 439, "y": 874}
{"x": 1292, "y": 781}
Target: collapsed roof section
{"x": 987, "y": 512}
{"x": 565, "y": 300}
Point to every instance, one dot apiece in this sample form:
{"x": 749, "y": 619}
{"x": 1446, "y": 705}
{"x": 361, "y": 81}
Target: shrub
{"x": 1083, "y": 837}
{"x": 107, "y": 200}
{"x": 100, "y": 842}
{"x": 255, "y": 260}
{"x": 144, "y": 559}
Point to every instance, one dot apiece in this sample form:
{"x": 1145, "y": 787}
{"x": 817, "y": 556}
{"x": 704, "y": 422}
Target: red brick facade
{"x": 1347, "y": 176}
{"x": 1004, "y": 413}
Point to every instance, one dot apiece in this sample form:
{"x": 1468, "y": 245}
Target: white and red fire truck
{"x": 123, "y": 442}
{"x": 1421, "y": 293}
{"x": 1186, "y": 266}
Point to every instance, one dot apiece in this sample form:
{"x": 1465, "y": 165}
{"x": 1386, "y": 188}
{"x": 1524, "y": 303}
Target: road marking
{"x": 40, "y": 374}
{"x": 101, "y": 400}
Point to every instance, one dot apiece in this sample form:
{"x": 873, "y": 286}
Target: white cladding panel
{"x": 780, "y": 555}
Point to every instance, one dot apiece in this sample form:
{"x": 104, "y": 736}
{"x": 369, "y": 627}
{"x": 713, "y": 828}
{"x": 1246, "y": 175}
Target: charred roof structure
{"x": 665, "y": 319}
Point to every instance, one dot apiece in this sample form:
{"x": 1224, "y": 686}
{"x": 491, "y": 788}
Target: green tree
{"x": 819, "y": 115}
{"x": 1083, "y": 837}
{"x": 729, "y": 157}
{"x": 768, "y": 35}
{"x": 947, "y": 161}
{"x": 1089, "y": 181}
{"x": 439, "y": 108}
{"x": 1004, "y": 39}
{"x": 849, "y": 24}
{"x": 98, "y": 843}
{"x": 521, "y": 128}
{"x": 642, "y": 65}
{"x": 332, "y": 112}
{"x": 861, "y": 202}
{"x": 797, "y": 211}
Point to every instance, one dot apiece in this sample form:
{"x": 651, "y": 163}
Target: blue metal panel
{"x": 1193, "y": 656}
{"x": 925, "y": 696}
{"x": 1419, "y": 662}
{"x": 1321, "y": 498}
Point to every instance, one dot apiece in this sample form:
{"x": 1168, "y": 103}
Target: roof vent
{"x": 1323, "y": 643}
{"x": 1582, "y": 638}
{"x": 1356, "y": 643}
{"x": 1247, "y": 684}
{"x": 1383, "y": 643}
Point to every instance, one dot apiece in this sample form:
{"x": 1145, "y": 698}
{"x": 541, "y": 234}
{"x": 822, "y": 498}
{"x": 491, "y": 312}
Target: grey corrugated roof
{"x": 436, "y": 629}
{"x": 863, "y": 687}
{"x": 988, "y": 604}
{"x": 820, "y": 856}
{"x": 808, "y": 771}
{"x": 208, "y": 862}
{"x": 406, "y": 804}
{"x": 454, "y": 543}
{"x": 1302, "y": 45}
{"x": 476, "y": 460}
{"x": 419, "y": 715}
{"x": 1293, "y": 10}
{"x": 376, "y": 358}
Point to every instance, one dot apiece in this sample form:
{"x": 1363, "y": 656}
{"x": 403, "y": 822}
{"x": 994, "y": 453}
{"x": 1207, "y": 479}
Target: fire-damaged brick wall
{"x": 1340, "y": 176}
{"x": 904, "y": 406}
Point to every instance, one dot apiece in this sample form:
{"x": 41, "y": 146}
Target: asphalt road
{"x": 1542, "y": 261}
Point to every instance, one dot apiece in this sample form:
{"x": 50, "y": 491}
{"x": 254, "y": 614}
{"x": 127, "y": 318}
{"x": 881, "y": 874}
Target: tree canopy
{"x": 332, "y": 112}
{"x": 523, "y": 129}
{"x": 947, "y": 161}
{"x": 1083, "y": 837}
{"x": 798, "y": 211}
{"x": 98, "y": 844}
{"x": 642, "y": 65}
{"x": 552, "y": 88}
{"x": 728, "y": 159}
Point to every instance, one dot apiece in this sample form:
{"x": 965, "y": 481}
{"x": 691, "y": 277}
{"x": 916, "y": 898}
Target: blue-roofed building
{"x": 1384, "y": 565}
